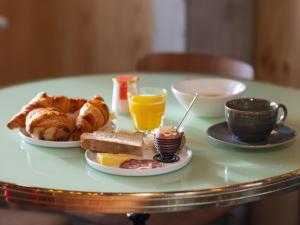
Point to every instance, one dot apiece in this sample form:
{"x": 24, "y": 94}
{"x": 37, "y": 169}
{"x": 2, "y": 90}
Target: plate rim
{"x": 249, "y": 146}
{"x": 60, "y": 144}
{"x": 132, "y": 172}
{"x": 50, "y": 144}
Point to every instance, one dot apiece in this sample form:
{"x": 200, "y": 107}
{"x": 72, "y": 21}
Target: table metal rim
{"x": 149, "y": 202}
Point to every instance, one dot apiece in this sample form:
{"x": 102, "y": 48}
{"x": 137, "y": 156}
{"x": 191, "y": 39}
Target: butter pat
{"x": 111, "y": 159}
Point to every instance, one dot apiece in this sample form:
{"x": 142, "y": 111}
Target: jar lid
{"x": 126, "y": 78}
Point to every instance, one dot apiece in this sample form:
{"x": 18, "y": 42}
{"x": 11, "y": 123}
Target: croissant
{"x": 42, "y": 100}
{"x": 49, "y": 124}
{"x": 93, "y": 115}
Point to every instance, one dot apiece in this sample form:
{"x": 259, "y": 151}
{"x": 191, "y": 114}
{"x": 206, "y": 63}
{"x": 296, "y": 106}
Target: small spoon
{"x": 187, "y": 111}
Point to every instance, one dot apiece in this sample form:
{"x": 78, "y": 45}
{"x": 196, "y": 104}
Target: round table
{"x": 218, "y": 175}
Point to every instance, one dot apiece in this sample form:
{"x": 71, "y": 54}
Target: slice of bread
{"x": 113, "y": 142}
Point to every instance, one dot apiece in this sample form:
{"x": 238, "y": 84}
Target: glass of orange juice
{"x": 147, "y": 107}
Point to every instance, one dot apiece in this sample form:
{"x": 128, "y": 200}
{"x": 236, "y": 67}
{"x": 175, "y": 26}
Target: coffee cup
{"x": 253, "y": 119}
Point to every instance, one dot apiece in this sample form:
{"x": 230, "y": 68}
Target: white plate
{"x": 185, "y": 157}
{"x": 61, "y": 144}
{"x": 51, "y": 144}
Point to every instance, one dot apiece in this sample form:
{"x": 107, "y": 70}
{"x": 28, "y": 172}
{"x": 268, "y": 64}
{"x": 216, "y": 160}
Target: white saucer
{"x": 185, "y": 157}
{"x": 51, "y": 144}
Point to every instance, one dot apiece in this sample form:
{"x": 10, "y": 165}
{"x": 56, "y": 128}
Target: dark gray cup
{"x": 252, "y": 119}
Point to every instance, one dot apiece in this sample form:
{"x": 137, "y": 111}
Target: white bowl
{"x": 213, "y": 94}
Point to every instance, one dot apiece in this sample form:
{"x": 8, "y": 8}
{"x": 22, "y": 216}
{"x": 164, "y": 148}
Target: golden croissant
{"x": 49, "y": 124}
{"x": 42, "y": 100}
{"x": 93, "y": 115}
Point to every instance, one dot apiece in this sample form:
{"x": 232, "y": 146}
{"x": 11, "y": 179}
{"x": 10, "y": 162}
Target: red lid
{"x": 126, "y": 78}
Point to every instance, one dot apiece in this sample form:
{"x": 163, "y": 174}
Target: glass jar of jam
{"x": 121, "y": 85}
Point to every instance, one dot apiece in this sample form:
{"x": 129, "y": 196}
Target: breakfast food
{"x": 141, "y": 164}
{"x": 49, "y": 124}
{"x": 93, "y": 115}
{"x": 113, "y": 142}
{"x": 110, "y": 159}
{"x": 59, "y": 118}
{"x": 168, "y": 141}
{"x": 42, "y": 100}
{"x": 168, "y": 132}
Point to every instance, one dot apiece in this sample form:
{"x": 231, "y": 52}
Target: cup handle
{"x": 283, "y": 115}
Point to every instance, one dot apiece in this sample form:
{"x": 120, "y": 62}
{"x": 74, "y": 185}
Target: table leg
{"x": 138, "y": 218}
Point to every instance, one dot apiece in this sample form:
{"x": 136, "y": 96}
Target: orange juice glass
{"x": 147, "y": 107}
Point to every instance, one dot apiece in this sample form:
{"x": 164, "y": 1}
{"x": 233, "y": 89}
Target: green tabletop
{"x": 214, "y": 167}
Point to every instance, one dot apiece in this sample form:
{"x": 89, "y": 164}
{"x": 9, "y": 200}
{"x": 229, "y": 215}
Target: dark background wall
{"x": 221, "y": 27}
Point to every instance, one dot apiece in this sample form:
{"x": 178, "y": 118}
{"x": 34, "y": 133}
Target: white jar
{"x": 121, "y": 85}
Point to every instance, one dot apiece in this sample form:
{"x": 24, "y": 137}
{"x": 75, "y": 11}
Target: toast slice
{"x": 113, "y": 142}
